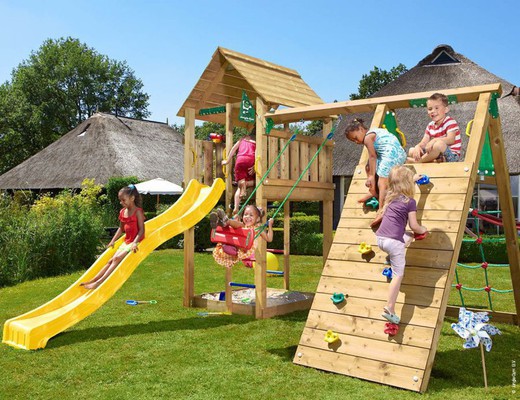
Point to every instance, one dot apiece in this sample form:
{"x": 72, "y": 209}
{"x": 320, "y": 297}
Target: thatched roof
{"x": 442, "y": 69}
{"x": 230, "y": 72}
{"x": 101, "y": 147}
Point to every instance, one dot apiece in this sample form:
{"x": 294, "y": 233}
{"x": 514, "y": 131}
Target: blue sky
{"x": 330, "y": 43}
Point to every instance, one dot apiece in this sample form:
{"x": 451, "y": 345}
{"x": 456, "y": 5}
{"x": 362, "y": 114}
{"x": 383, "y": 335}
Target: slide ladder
{"x": 33, "y": 329}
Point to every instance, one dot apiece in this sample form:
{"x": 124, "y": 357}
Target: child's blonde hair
{"x": 400, "y": 183}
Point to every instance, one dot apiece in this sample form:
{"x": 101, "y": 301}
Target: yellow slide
{"x": 33, "y": 329}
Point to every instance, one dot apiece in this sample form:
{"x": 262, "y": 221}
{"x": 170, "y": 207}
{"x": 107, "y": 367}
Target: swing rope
{"x": 291, "y": 139}
{"x": 327, "y": 138}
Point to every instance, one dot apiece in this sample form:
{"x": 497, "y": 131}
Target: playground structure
{"x": 363, "y": 349}
{"x": 344, "y": 332}
{"x": 285, "y": 158}
{"x": 33, "y": 329}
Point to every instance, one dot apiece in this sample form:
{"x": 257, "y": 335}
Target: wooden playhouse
{"x": 363, "y": 349}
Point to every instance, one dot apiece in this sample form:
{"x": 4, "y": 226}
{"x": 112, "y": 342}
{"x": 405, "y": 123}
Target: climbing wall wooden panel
{"x": 363, "y": 349}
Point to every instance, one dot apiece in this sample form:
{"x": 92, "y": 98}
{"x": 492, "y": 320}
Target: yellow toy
{"x": 364, "y": 248}
{"x": 331, "y": 337}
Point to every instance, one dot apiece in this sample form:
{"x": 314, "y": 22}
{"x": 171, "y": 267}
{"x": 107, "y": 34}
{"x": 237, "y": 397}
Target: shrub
{"x": 494, "y": 251}
{"x": 55, "y": 236}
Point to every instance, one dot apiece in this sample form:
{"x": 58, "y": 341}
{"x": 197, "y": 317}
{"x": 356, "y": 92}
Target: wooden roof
{"x": 229, "y": 72}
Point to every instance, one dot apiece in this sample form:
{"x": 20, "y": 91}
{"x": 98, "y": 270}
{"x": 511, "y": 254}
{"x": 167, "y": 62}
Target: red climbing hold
{"x": 391, "y": 329}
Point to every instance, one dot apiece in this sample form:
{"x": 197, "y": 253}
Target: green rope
{"x": 327, "y": 138}
{"x": 291, "y": 139}
{"x": 460, "y": 291}
{"x": 480, "y": 266}
{"x": 470, "y": 289}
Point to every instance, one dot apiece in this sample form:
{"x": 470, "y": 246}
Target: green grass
{"x": 165, "y": 351}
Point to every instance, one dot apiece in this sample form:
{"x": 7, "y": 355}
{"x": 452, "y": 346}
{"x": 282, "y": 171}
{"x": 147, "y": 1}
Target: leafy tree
{"x": 59, "y": 86}
{"x": 375, "y": 80}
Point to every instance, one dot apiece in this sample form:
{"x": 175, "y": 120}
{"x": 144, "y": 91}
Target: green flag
{"x": 247, "y": 112}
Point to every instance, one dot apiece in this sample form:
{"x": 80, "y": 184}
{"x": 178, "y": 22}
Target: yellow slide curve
{"x": 33, "y": 329}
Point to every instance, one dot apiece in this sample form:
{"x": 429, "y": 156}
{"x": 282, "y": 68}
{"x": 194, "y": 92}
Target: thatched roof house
{"x": 101, "y": 147}
{"x": 442, "y": 69}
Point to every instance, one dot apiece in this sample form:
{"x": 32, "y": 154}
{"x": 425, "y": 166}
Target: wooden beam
{"x": 496, "y": 141}
{"x": 189, "y": 235}
{"x": 229, "y": 145}
{"x": 261, "y": 247}
{"x": 286, "y": 244}
{"x": 368, "y": 105}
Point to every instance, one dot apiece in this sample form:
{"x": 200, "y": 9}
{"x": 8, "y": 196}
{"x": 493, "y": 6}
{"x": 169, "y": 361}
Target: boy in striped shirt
{"x": 441, "y": 140}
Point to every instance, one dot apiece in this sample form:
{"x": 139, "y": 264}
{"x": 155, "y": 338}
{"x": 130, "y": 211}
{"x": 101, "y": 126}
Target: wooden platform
{"x": 364, "y": 350}
{"x": 279, "y": 302}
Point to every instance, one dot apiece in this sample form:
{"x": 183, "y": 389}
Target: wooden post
{"x": 327, "y": 217}
{"x": 506, "y": 202}
{"x": 473, "y": 152}
{"x": 483, "y": 363}
{"x": 229, "y": 145}
{"x": 377, "y": 121}
{"x": 286, "y": 244}
{"x": 189, "y": 235}
{"x": 261, "y": 248}
{"x": 229, "y": 291}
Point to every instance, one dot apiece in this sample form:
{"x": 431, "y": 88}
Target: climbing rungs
{"x": 436, "y": 239}
{"x": 444, "y": 226}
{"x": 408, "y": 356}
{"x": 368, "y": 308}
{"x": 382, "y": 372}
{"x": 441, "y": 215}
{"x": 437, "y": 185}
{"x": 417, "y": 257}
{"x": 412, "y": 294}
{"x": 410, "y": 335}
{"x": 424, "y": 202}
{"x": 433, "y": 170}
{"x": 423, "y": 276}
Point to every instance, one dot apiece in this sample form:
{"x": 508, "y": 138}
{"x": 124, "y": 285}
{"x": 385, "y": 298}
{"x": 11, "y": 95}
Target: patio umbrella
{"x": 158, "y": 186}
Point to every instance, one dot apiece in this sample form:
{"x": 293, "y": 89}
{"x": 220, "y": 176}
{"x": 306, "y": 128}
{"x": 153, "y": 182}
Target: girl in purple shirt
{"x": 400, "y": 209}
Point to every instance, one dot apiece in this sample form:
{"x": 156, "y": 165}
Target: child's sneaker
{"x": 393, "y": 318}
{"x": 213, "y": 220}
{"x": 222, "y": 219}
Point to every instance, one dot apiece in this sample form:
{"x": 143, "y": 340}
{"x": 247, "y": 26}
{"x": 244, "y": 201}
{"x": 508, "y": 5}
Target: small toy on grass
{"x": 391, "y": 329}
{"x": 137, "y": 302}
{"x": 474, "y": 327}
{"x": 206, "y": 314}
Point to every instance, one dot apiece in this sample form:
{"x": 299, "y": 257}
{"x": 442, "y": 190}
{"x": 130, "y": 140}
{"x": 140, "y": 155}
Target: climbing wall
{"x": 363, "y": 349}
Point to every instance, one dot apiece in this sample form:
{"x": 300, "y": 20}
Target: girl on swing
{"x": 227, "y": 255}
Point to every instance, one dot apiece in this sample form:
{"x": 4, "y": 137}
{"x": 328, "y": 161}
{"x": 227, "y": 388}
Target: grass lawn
{"x": 166, "y": 351}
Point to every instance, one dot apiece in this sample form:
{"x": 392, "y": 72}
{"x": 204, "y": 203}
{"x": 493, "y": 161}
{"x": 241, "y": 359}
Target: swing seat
{"x": 238, "y": 237}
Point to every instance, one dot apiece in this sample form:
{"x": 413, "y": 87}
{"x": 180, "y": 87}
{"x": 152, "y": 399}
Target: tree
{"x": 58, "y": 87}
{"x": 375, "y": 80}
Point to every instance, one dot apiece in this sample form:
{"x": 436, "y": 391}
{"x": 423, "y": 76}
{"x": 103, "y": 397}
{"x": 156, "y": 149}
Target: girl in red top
{"x": 131, "y": 219}
{"x": 244, "y": 166}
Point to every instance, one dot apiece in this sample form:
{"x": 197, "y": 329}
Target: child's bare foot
{"x": 91, "y": 285}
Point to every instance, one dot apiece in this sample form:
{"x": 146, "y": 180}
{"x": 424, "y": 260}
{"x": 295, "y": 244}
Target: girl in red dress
{"x": 131, "y": 219}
